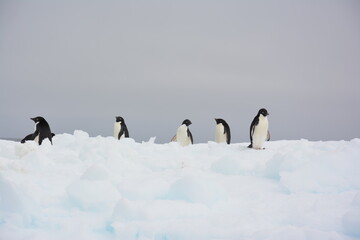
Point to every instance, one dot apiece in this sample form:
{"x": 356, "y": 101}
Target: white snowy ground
{"x": 101, "y": 188}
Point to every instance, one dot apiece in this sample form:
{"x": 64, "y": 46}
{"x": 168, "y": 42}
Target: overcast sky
{"x": 81, "y": 63}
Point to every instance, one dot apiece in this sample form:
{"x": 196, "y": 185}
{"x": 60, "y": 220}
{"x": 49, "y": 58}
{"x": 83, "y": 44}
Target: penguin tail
{"x": 250, "y": 146}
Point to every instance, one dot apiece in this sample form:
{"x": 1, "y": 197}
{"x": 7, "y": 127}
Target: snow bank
{"x": 102, "y": 188}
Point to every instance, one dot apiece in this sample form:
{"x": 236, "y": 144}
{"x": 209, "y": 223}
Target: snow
{"x": 100, "y": 188}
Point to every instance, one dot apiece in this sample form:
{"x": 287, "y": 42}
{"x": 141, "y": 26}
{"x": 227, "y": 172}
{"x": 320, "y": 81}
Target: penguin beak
{"x": 33, "y": 119}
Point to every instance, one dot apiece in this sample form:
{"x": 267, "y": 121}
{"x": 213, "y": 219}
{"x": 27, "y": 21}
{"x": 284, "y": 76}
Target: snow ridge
{"x": 102, "y": 188}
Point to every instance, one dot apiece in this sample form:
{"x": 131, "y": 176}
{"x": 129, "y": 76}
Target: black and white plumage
{"x": 259, "y": 130}
{"x": 222, "y": 131}
{"x": 120, "y": 128}
{"x": 183, "y": 134}
{"x": 42, "y": 131}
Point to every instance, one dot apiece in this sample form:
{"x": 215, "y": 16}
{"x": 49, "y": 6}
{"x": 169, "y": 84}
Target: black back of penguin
{"x": 226, "y": 131}
{"x": 255, "y": 123}
{"x": 190, "y": 136}
{"x": 183, "y": 135}
{"x": 187, "y": 122}
{"x": 121, "y": 130}
{"x": 42, "y": 131}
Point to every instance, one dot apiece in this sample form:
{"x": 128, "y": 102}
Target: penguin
{"x": 259, "y": 132}
{"x": 222, "y": 131}
{"x": 42, "y": 131}
{"x": 120, "y": 129}
{"x": 183, "y": 134}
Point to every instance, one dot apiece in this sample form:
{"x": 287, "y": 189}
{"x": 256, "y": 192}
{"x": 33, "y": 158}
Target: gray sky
{"x": 81, "y": 63}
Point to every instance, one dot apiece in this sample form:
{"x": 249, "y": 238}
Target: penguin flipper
{"x": 268, "y": 136}
{"x": 50, "y": 137}
{"x": 41, "y": 139}
{"x": 27, "y": 138}
{"x": 252, "y": 129}
{"x": 190, "y": 136}
{"x": 254, "y": 122}
{"x": 227, "y": 132}
{"x": 126, "y": 131}
{"x": 174, "y": 139}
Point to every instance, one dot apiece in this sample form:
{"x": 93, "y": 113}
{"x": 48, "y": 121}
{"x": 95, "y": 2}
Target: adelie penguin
{"x": 222, "y": 131}
{"x": 259, "y": 130}
{"x": 183, "y": 134}
{"x": 42, "y": 131}
{"x": 120, "y": 129}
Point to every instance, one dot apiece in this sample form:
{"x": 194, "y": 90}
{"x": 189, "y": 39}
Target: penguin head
{"x": 37, "y": 119}
{"x": 119, "y": 119}
{"x": 263, "y": 112}
{"x": 219, "y": 120}
{"x": 187, "y": 122}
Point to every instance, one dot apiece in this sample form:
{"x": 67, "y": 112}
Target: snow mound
{"x": 86, "y": 187}
{"x": 196, "y": 189}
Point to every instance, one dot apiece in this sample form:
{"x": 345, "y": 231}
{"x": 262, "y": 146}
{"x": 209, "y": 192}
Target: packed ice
{"x": 85, "y": 187}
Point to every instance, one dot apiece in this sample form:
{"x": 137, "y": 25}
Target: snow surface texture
{"x": 102, "y": 188}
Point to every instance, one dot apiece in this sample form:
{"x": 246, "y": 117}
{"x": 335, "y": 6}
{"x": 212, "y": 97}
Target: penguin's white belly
{"x": 260, "y": 133}
{"x": 182, "y": 136}
{"x": 220, "y": 137}
{"x": 117, "y": 129}
{"x": 36, "y": 139}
